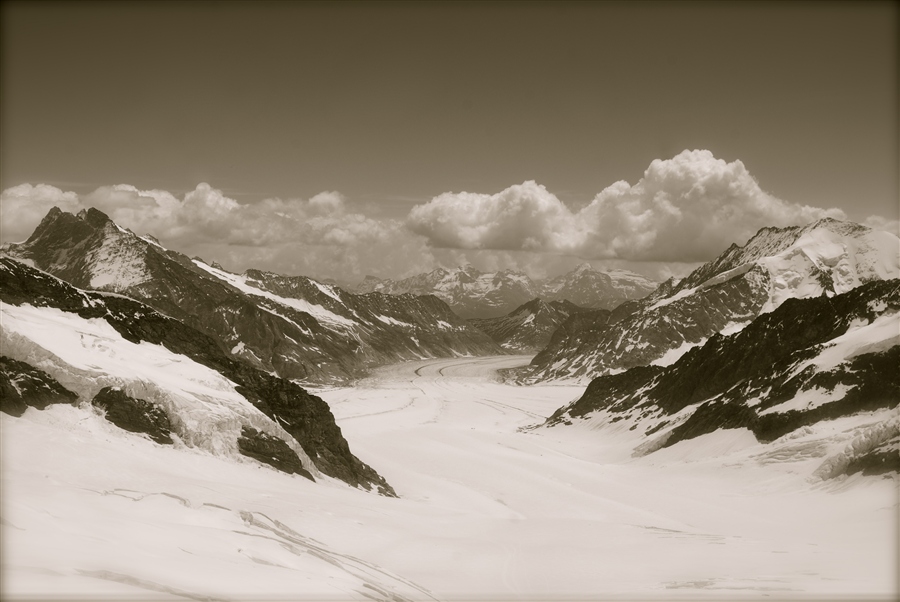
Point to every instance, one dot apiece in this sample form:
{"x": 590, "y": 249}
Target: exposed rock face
{"x": 479, "y": 295}
{"x": 134, "y": 415}
{"x": 293, "y": 326}
{"x": 272, "y": 451}
{"x": 529, "y": 327}
{"x": 305, "y": 417}
{"x": 827, "y": 257}
{"x": 807, "y": 361}
{"x": 23, "y": 386}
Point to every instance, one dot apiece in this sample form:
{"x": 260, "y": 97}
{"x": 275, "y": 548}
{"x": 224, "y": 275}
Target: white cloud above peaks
{"x": 22, "y": 207}
{"x": 522, "y": 217}
{"x": 682, "y": 211}
{"x": 686, "y": 209}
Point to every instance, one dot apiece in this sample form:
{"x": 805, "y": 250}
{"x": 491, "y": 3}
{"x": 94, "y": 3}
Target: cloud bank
{"x": 683, "y": 211}
{"x": 317, "y": 237}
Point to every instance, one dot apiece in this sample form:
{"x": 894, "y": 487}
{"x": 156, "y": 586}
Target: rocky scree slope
{"x": 529, "y": 327}
{"x": 295, "y": 327}
{"x": 826, "y": 257}
{"x": 479, "y": 295}
{"x": 88, "y": 341}
{"x": 807, "y": 361}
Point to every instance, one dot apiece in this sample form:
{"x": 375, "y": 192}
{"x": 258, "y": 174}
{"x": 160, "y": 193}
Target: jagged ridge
{"x": 529, "y": 327}
{"x": 825, "y": 257}
{"x": 293, "y": 326}
{"x": 789, "y": 368}
{"x": 307, "y": 418}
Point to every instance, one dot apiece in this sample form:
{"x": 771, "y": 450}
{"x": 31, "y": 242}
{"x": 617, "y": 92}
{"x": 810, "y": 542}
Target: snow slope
{"x": 85, "y": 355}
{"x": 316, "y": 311}
{"x": 489, "y": 509}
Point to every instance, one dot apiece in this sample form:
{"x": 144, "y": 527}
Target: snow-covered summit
{"x": 826, "y": 257}
{"x": 475, "y": 294}
{"x": 592, "y": 288}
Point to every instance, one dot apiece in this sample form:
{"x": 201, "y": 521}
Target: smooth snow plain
{"x": 490, "y": 509}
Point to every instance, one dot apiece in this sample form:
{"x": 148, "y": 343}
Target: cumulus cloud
{"x": 688, "y": 209}
{"x": 522, "y": 217}
{"x": 207, "y": 215}
{"x": 22, "y": 208}
{"x": 876, "y": 222}
{"x": 316, "y": 237}
{"x": 683, "y": 210}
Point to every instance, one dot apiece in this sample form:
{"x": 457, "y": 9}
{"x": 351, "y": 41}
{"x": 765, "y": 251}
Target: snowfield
{"x": 489, "y": 509}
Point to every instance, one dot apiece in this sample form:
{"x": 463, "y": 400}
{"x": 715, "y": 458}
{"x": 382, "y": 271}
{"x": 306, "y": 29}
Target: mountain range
{"x": 154, "y": 374}
{"x": 797, "y": 327}
{"x": 827, "y": 257}
{"x": 475, "y": 294}
{"x": 295, "y": 327}
{"x": 807, "y": 361}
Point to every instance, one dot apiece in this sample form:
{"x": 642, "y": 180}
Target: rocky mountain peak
{"x": 94, "y": 217}
{"x": 583, "y": 267}
{"x": 528, "y": 327}
{"x": 295, "y": 327}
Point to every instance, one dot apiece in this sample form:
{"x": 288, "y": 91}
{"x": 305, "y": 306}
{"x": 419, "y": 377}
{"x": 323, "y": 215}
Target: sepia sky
{"x": 339, "y": 139}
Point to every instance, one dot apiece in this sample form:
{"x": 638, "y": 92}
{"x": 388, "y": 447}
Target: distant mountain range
{"x": 474, "y": 294}
{"x": 827, "y": 257}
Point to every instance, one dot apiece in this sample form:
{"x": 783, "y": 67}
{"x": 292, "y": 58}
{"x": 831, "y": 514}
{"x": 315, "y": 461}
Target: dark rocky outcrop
{"x": 134, "y": 415}
{"x": 23, "y": 386}
{"x": 768, "y": 363}
{"x": 305, "y": 417}
{"x": 271, "y": 451}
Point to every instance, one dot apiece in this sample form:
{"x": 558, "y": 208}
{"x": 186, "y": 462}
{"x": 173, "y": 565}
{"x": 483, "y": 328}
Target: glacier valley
{"x": 491, "y": 506}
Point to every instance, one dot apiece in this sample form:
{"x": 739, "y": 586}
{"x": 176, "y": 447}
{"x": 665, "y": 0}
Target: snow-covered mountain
{"x": 809, "y": 360}
{"x": 528, "y": 327}
{"x": 469, "y": 292}
{"x": 475, "y": 294}
{"x": 586, "y": 287}
{"x": 826, "y": 257}
{"x": 293, "y": 326}
{"x": 153, "y": 374}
